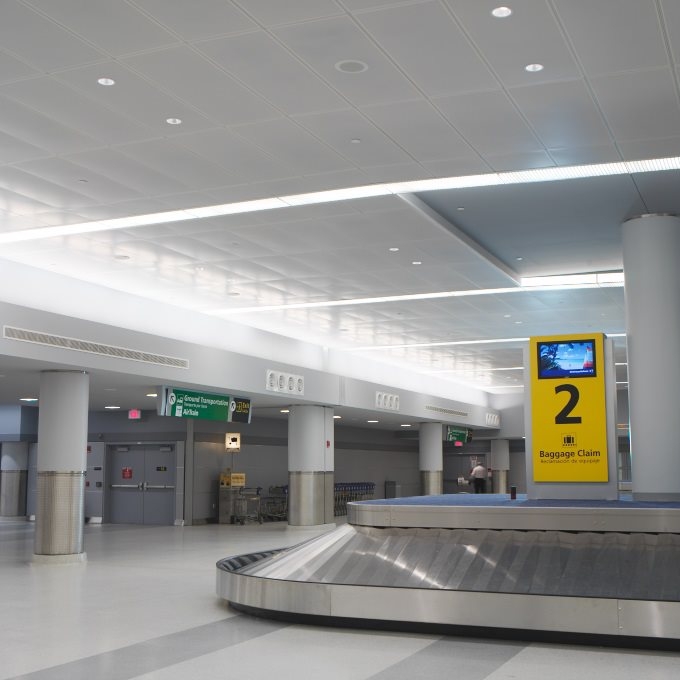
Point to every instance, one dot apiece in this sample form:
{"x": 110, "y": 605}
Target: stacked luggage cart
{"x": 275, "y": 505}
{"x": 348, "y": 492}
{"x": 247, "y": 506}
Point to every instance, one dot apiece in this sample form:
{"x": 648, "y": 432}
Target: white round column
{"x": 311, "y": 464}
{"x": 651, "y": 248}
{"x": 499, "y": 463}
{"x": 13, "y": 478}
{"x": 62, "y": 462}
{"x": 431, "y": 459}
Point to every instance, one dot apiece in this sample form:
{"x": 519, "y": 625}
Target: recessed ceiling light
{"x": 173, "y": 121}
{"x": 507, "y": 316}
{"x": 501, "y": 12}
{"x": 416, "y": 262}
{"x": 356, "y": 140}
{"x": 372, "y": 421}
{"x": 533, "y": 68}
{"x": 30, "y": 399}
{"x": 337, "y": 417}
{"x": 152, "y": 394}
{"x": 519, "y": 259}
{"x": 518, "y": 322}
{"x": 460, "y": 208}
{"x": 405, "y": 425}
{"x": 106, "y": 82}
{"x": 351, "y": 66}
{"x": 111, "y": 408}
{"x": 284, "y": 410}
{"x": 394, "y": 250}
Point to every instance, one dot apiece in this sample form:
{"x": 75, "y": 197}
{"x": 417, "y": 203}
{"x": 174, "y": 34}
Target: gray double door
{"x": 141, "y": 484}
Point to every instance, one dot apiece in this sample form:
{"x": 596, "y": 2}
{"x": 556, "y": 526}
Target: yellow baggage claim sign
{"x": 568, "y": 409}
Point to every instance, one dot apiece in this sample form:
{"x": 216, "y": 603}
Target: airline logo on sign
{"x": 568, "y": 409}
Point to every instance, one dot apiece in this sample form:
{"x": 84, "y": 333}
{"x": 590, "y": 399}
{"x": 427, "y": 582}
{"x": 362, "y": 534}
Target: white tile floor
{"x": 144, "y": 606}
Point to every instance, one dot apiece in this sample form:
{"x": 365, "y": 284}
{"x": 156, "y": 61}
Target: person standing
{"x": 479, "y": 475}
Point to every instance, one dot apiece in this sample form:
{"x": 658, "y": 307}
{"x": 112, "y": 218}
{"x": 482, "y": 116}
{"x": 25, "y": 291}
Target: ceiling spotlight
{"x": 501, "y": 12}
{"x": 351, "y": 66}
{"x": 372, "y": 421}
{"x": 533, "y": 68}
{"x": 106, "y": 82}
{"x": 394, "y": 250}
{"x": 337, "y": 417}
{"x": 29, "y": 399}
{"x": 173, "y": 121}
{"x": 405, "y": 425}
{"x": 111, "y": 408}
{"x": 152, "y": 394}
{"x": 284, "y": 410}
{"x": 416, "y": 262}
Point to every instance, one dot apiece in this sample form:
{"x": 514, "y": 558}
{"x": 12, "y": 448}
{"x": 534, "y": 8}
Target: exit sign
{"x": 134, "y": 414}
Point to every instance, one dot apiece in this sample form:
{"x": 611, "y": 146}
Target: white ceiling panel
{"x": 546, "y": 106}
{"x": 259, "y": 60}
{"x": 39, "y": 129}
{"x": 339, "y": 128}
{"x": 293, "y": 145}
{"x": 585, "y": 155}
{"x": 14, "y": 150}
{"x": 136, "y": 98}
{"x": 419, "y": 129}
{"x": 508, "y": 162}
{"x": 74, "y": 177}
{"x": 530, "y": 35}
{"x": 272, "y": 13}
{"x": 662, "y": 147}
{"x": 167, "y": 157}
{"x": 193, "y": 22}
{"x": 185, "y": 74}
{"x": 113, "y": 25}
{"x": 429, "y": 46}
{"x": 13, "y": 69}
{"x": 71, "y": 109}
{"x": 39, "y": 42}
{"x": 235, "y": 154}
{"x": 489, "y": 122}
{"x": 671, "y": 14}
{"x": 455, "y": 167}
{"x": 26, "y": 184}
{"x": 327, "y": 43}
{"x": 127, "y": 171}
{"x": 623, "y": 99}
{"x": 600, "y": 31}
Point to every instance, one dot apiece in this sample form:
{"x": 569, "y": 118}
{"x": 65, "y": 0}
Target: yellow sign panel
{"x": 568, "y": 409}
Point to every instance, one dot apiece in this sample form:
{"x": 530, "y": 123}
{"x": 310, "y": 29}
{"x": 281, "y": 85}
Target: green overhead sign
{"x": 181, "y": 403}
{"x": 454, "y": 434}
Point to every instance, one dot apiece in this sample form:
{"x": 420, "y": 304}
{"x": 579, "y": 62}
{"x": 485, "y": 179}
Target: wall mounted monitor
{"x": 567, "y": 359}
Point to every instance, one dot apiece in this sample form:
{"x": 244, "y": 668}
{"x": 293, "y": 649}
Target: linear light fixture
{"x": 533, "y": 284}
{"x": 551, "y": 174}
{"x": 451, "y": 343}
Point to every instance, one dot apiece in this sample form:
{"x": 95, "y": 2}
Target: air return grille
{"x": 91, "y": 347}
{"x": 446, "y": 411}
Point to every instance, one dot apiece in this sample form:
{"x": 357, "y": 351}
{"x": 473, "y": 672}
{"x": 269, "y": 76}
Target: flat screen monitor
{"x": 567, "y": 359}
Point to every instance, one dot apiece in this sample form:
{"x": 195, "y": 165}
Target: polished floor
{"x": 144, "y": 606}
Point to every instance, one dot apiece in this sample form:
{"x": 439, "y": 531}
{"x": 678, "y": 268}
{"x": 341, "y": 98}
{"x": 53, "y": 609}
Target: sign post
{"x": 569, "y": 450}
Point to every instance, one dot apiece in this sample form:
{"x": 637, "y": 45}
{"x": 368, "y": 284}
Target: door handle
{"x": 157, "y": 486}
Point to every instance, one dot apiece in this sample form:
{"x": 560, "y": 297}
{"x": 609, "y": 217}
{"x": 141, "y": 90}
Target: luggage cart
{"x": 275, "y": 505}
{"x": 247, "y": 506}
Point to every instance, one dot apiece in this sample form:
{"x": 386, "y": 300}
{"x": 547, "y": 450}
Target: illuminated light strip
{"x": 452, "y": 343}
{"x": 365, "y": 191}
{"x": 535, "y": 284}
{"x": 475, "y": 370}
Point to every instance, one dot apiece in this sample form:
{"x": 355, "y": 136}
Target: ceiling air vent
{"x": 446, "y": 411}
{"x": 38, "y": 338}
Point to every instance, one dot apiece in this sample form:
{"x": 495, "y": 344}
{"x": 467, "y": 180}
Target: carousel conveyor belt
{"x": 620, "y": 584}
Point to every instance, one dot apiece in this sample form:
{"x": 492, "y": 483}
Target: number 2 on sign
{"x": 564, "y": 417}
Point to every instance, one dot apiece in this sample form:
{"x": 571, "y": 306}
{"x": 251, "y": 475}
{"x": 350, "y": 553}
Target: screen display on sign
{"x": 567, "y": 359}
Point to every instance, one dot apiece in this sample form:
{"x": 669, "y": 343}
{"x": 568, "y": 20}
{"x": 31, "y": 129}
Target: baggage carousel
{"x": 597, "y": 572}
